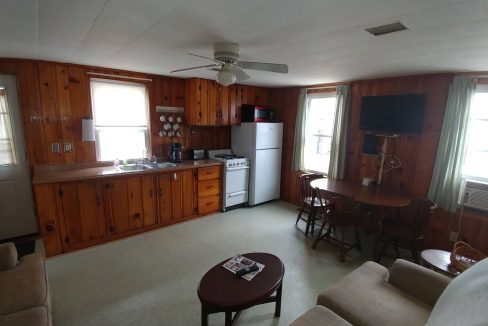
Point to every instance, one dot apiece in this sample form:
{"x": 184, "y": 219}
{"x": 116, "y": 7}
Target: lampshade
{"x": 226, "y": 77}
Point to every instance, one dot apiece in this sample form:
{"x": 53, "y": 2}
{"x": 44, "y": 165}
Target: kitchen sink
{"x": 135, "y": 167}
{"x": 163, "y": 165}
{"x": 146, "y": 166}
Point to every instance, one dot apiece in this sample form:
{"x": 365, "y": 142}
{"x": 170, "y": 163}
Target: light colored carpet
{"x": 151, "y": 279}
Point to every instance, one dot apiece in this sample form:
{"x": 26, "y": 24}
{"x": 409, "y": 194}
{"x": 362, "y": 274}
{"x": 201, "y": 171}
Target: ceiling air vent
{"x": 386, "y": 29}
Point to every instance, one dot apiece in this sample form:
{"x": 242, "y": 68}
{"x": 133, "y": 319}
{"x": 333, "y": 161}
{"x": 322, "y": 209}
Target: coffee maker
{"x": 175, "y": 152}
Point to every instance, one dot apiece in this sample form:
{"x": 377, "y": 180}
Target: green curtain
{"x": 297, "y": 163}
{"x": 338, "y": 147}
{"x": 445, "y": 185}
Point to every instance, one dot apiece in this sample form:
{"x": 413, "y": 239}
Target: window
{"x": 319, "y": 125}
{"x": 120, "y": 111}
{"x": 7, "y": 148}
{"x": 476, "y": 144}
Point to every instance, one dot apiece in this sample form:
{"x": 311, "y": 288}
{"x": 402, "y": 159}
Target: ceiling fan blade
{"x": 241, "y": 74}
{"x": 271, "y": 67}
{"x": 201, "y": 56}
{"x": 206, "y": 66}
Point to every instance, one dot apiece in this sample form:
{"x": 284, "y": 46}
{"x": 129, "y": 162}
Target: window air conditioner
{"x": 476, "y": 196}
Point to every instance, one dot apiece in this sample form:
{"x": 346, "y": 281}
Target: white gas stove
{"x": 236, "y": 177}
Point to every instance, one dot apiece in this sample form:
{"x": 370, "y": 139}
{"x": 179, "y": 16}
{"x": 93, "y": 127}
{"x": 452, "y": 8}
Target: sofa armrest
{"x": 418, "y": 281}
{"x": 8, "y": 256}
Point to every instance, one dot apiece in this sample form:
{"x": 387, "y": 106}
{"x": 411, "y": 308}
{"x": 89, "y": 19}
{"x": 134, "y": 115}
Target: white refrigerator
{"x": 261, "y": 143}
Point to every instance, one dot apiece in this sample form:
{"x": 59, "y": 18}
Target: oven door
{"x": 236, "y": 179}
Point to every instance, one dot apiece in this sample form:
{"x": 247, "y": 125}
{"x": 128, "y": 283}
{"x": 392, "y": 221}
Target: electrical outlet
{"x": 67, "y": 147}
{"x": 453, "y": 236}
{"x": 55, "y": 148}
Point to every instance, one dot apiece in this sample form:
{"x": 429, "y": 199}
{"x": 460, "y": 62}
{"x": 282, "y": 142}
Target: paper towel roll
{"x": 88, "y": 130}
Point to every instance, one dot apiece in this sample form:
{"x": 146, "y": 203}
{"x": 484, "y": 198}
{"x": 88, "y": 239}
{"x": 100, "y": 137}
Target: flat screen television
{"x": 392, "y": 114}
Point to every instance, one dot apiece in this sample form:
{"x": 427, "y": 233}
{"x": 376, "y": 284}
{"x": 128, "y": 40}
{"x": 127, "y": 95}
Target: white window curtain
{"x": 298, "y": 147}
{"x": 445, "y": 185}
{"x": 7, "y": 148}
{"x": 337, "y": 162}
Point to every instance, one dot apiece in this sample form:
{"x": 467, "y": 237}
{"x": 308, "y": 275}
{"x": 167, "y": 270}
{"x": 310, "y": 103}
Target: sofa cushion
{"x": 320, "y": 316}
{"x": 8, "y": 256}
{"x": 25, "y": 286}
{"x": 465, "y": 300}
{"x": 37, "y": 316}
{"x": 364, "y": 297}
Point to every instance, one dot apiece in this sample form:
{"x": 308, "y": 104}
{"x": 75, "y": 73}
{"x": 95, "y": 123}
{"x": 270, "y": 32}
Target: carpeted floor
{"x": 151, "y": 279}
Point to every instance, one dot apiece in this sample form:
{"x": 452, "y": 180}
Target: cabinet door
{"x": 91, "y": 210}
{"x": 48, "y": 219}
{"x": 69, "y": 214}
{"x": 235, "y": 102}
{"x": 224, "y": 104}
{"x": 176, "y": 196}
{"x": 182, "y": 194}
{"x": 135, "y": 202}
{"x": 164, "y": 198}
{"x": 148, "y": 200}
{"x": 115, "y": 205}
{"x": 213, "y": 103}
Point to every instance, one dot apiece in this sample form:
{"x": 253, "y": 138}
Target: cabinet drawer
{"x": 208, "y": 187}
{"x": 208, "y": 204}
{"x": 210, "y": 172}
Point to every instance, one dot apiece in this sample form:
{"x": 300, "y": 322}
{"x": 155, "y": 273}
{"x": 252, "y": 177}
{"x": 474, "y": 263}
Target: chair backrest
{"x": 423, "y": 213}
{"x": 338, "y": 209}
{"x": 306, "y": 190}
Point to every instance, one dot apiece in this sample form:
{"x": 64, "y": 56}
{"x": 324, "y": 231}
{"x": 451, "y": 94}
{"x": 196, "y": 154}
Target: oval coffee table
{"x": 440, "y": 261}
{"x": 222, "y": 291}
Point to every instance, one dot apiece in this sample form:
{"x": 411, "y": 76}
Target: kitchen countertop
{"x": 87, "y": 171}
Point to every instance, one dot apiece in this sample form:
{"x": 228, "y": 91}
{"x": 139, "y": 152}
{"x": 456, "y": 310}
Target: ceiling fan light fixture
{"x": 226, "y": 77}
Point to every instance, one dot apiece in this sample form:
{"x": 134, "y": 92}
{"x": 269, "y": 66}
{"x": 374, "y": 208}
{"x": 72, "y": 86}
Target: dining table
{"x": 378, "y": 198}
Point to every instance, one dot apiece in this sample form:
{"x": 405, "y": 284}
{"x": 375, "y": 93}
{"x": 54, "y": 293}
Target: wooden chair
{"x": 340, "y": 212}
{"x": 407, "y": 234}
{"x": 309, "y": 203}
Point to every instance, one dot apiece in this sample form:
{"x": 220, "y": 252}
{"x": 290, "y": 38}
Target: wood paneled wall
{"x": 416, "y": 152}
{"x": 55, "y": 97}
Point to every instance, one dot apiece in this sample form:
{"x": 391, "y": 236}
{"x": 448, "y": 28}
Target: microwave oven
{"x": 257, "y": 113}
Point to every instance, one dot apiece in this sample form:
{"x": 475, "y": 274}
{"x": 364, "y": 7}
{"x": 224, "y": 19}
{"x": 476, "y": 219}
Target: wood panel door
{"x": 182, "y": 194}
{"x": 79, "y": 206}
{"x": 135, "y": 202}
{"x": 69, "y": 214}
{"x": 164, "y": 198}
{"x": 91, "y": 210}
{"x": 148, "y": 200}
{"x": 115, "y": 205}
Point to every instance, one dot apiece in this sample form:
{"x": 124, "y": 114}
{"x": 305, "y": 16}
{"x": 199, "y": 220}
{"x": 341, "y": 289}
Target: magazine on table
{"x": 239, "y": 262}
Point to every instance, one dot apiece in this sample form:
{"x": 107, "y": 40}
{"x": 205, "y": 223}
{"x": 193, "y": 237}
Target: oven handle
{"x": 238, "y": 168}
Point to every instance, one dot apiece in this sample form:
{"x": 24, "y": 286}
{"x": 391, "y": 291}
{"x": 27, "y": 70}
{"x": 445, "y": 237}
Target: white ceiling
{"x": 321, "y": 40}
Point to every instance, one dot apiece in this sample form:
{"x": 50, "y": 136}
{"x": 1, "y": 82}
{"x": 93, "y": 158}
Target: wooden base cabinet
{"x": 79, "y": 214}
{"x": 209, "y": 189}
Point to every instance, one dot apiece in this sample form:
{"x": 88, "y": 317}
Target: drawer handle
{"x": 209, "y": 187}
{"x": 209, "y": 203}
{"x": 49, "y": 228}
{"x": 137, "y": 215}
{"x": 150, "y": 193}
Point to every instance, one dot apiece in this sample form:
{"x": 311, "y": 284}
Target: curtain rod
{"x": 117, "y": 76}
{"x": 320, "y": 87}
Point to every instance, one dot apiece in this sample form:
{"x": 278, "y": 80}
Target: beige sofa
{"x": 24, "y": 290}
{"x": 408, "y": 294}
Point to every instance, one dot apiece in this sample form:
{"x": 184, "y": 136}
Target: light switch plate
{"x": 55, "y": 148}
{"x": 67, "y": 147}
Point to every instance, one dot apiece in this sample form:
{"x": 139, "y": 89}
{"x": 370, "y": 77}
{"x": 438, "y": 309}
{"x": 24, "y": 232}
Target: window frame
{"x": 480, "y": 88}
{"x": 318, "y": 95}
{"x": 96, "y": 127}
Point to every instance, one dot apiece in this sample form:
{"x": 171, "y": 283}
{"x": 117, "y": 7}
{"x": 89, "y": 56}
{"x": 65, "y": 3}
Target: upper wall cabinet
{"x": 211, "y": 104}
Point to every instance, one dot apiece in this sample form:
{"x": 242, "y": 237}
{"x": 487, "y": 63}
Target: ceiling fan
{"x": 228, "y": 66}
